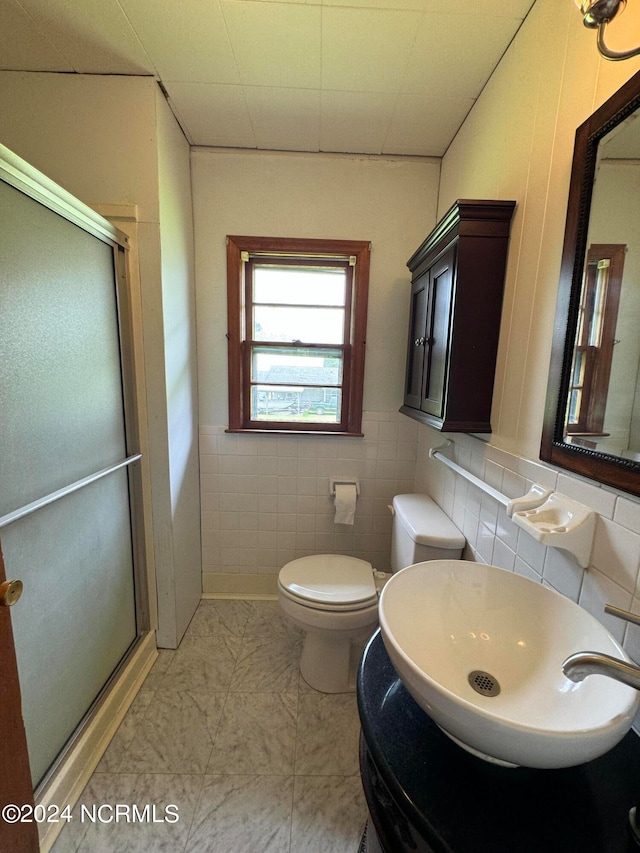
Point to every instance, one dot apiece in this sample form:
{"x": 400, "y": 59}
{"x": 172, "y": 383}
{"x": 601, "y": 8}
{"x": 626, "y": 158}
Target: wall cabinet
{"x": 457, "y": 284}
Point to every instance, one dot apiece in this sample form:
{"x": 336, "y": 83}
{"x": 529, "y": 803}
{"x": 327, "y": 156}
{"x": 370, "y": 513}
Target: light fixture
{"x": 596, "y": 14}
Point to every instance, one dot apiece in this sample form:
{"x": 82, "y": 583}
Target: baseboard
{"x": 238, "y": 586}
{"x": 69, "y": 780}
{"x": 238, "y": 596}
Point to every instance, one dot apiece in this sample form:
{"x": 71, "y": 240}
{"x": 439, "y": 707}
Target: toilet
{"x": 334, "y": 598}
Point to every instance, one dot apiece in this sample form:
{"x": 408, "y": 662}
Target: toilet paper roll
{"x": 345, "y": 503}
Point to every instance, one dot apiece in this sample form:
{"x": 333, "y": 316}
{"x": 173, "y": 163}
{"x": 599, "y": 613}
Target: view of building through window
{"x": 297, "y": 312}
{"x": 297, "y": 320}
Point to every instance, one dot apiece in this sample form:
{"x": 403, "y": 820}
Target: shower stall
{"x": 70, "y": 491}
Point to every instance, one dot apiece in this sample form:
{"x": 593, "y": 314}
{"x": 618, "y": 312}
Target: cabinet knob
{"x": 420, "y": 342}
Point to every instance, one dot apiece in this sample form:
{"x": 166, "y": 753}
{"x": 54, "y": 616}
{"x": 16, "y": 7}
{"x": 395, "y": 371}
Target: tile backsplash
{"x": 492, "y": 537}
{"x": 265, "y": 501}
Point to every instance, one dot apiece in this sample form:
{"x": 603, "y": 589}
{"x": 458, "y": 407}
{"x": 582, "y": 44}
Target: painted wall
{"x": 518, "y": 143}
{"x": 109, "y": 141}
{"x": 265, "y": 500}
{"x": 93, "y": 135}
{"x": 179, "y": 593}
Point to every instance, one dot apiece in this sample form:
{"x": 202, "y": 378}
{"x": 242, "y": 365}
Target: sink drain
{"x": 484, "y": 683}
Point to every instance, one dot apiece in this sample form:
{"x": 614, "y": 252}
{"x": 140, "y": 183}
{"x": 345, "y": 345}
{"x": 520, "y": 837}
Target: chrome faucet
{"x": 578, "y": 666}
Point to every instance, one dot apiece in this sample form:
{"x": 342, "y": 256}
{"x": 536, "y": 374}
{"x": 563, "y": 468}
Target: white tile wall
{"x": 265, "y": 499}
{"x": 613, "y": 573}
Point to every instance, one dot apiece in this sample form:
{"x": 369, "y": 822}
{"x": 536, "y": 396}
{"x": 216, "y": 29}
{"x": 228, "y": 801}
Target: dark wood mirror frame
{"x": 624, "y": 474}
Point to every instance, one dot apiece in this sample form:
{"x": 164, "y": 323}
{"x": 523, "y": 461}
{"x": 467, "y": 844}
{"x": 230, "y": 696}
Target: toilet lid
{"x": 329, "y": 579}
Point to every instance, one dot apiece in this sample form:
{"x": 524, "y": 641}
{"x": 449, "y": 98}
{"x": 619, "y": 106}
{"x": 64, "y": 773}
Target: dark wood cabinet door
{"x": 417, "y": 340}
{"x": 441, "y": 277}
{"x": 458, "y": 278}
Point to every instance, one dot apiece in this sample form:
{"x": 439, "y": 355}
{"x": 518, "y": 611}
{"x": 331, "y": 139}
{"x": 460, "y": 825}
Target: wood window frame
{"x": 240, "y": 249}
{"x": 598, "y": 360}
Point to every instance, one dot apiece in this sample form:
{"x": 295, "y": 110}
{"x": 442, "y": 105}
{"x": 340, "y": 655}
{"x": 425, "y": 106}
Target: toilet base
{"x": 333, "y": 644}
{"x": 330, "y": 659}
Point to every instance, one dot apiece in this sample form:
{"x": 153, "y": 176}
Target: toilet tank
{"x": 422, "y": 531}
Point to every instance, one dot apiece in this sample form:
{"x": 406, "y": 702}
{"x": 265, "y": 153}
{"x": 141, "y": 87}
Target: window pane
{"x": 308, "y": 325}
{"x": 297, "y": 326}
{"x": 297, "y": 404}
{"x": 299, "y": 286}
{"x": 578, "y": 369}
{"x": 323, "y": 405}
{"x": 574, "y": 406}
{"x": 597, "y": 321}
{"x": 293, "y": 366}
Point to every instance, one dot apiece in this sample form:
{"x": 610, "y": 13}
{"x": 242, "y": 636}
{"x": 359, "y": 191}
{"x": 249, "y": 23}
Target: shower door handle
{"x": 10, "y": 592}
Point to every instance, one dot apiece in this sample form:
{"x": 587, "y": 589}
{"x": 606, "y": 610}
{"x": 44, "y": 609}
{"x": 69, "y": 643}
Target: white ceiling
{"x": 623, "y": 142}
{"x": 366, "y": 76}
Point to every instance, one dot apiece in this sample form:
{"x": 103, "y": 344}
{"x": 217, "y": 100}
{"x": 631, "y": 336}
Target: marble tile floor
{"x": 226, "y": 730}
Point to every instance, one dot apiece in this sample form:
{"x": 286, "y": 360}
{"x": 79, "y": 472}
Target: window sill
{"x": 311, "y": 432}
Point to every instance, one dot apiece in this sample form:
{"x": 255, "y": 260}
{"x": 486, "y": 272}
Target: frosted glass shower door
{"x": 62, "y": 418}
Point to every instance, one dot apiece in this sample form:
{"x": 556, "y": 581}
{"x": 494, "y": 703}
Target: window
{"x": 595, "y": 339}
{"x": 297, "y": 314}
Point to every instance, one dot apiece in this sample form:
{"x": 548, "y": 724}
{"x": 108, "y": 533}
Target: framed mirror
{"x": 592, "y": 413}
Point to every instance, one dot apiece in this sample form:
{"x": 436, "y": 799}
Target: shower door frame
{"x": 17, "y": 173}
{"x": 15, "y": 774}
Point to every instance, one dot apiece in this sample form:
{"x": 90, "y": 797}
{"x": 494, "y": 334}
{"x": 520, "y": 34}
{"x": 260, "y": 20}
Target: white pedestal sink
{"x": 481, "y": 649}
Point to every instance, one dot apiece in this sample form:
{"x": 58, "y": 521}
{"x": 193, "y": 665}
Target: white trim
{"x": 70, "y": 779}
{"x": 239, "y": 586}
{"x": 25, "y": 178}
{"x": 126, "y": 216}
{"x": 229, "y": 596}
{"x": 315, "y": 155}
{"x": 117, "y": 212}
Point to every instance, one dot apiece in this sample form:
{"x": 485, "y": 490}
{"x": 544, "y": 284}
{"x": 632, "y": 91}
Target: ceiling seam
{"x": 44, "y": 35}
{"x": 398, "y": 94}
{"x": 156, "y": 73}
{"x": 237, "y": 64}
{"x": 488, "y": 80}
{"x": 176, "y": 114}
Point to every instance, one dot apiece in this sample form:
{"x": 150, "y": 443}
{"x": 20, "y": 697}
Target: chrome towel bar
{"x": 10, "y": 517}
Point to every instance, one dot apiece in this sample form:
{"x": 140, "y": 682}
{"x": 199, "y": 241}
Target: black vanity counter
{"x": 427, "y": 794}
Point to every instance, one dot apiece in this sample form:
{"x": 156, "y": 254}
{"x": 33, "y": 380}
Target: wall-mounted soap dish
{"x": 562, "y": 523}
{"x": 534, "y": 498}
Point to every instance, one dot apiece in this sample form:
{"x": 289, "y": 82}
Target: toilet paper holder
{"x": 343, "y": 481}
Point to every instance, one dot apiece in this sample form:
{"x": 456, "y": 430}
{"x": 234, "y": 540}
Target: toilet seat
{"x": 329, "y": 582}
